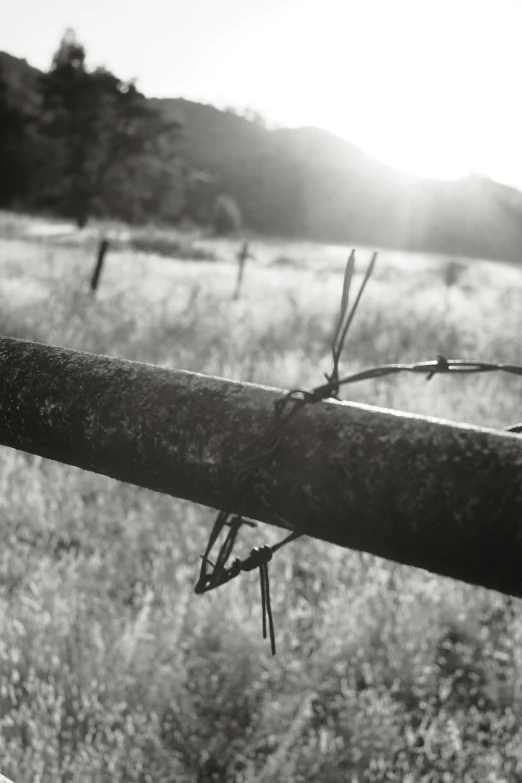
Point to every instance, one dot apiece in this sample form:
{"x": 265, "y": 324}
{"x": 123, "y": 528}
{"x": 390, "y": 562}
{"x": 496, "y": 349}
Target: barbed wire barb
{"x": 268, "y": 447}
{"x": 285, "y": 409}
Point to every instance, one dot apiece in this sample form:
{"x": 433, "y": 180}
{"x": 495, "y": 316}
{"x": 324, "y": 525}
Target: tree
{"x": 105, "y": 137}
{"x": 14, "y": 142}
{"x": 227, "y": 215}
{"x": 199, "y": 194}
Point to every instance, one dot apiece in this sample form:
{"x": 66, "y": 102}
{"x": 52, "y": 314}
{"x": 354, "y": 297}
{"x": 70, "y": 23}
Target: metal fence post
{"x": 416, "y": 490}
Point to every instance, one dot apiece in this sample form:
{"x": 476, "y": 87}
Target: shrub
{"x": 227, "y": 215}
{"x": 171, "y": 248}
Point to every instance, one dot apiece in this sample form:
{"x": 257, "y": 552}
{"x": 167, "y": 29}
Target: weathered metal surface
{"x": 420, "y": 491}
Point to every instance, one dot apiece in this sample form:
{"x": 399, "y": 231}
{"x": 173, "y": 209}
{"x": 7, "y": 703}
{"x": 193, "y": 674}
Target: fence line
{"x": 102, "y": 251}
{"x": 416, "y": 490}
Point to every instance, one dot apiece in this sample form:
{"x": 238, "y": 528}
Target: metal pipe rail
{"x": 416, "y": 490}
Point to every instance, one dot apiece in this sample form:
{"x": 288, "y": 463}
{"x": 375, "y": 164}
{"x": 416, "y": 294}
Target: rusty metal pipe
{"x": 416, "y": 490}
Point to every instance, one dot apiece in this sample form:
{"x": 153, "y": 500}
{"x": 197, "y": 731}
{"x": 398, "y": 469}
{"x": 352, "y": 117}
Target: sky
{"x": 429, "y": 86}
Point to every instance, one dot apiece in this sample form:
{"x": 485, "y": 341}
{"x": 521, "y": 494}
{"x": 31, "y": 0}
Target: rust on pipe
{"x": 416, "y": 490}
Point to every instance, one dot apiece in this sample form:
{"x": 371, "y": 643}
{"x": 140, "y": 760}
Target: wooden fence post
{"x": 102, "y": 250}
{"x": 242, "y": 257}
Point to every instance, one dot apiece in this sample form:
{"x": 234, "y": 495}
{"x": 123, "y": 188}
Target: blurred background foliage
{"x": 112, "y": 669}
{"x": 79, "y": 142}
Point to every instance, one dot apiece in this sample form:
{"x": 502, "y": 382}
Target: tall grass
{"x": 111, "y": 669}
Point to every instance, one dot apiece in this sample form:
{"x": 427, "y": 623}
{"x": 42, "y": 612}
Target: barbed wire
{"x": 284, "y": 410}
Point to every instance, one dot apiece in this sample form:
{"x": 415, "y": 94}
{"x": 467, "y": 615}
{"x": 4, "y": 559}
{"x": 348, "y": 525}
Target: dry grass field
{"x": 112, "y": 669}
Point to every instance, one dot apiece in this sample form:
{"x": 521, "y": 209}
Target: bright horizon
{"x": 430, "y": 87}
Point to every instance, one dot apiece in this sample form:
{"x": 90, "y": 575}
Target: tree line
{"x": 91, "y": 145}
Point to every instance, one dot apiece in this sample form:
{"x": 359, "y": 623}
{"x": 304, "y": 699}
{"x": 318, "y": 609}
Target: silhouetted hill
{"x": 309, "y": 183}
{"x": 22, "y": 79}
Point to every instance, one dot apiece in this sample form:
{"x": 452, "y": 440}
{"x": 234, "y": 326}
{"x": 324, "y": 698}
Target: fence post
{"x": 102, "y": 250}
{"x": 242, "y": 257}
{"x": 416, "y": 490}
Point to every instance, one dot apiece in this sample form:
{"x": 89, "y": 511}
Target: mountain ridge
{"x": 310, "y": 183}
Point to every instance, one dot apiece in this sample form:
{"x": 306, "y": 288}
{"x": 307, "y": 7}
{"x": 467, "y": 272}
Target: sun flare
{"x": 429, "y": 86}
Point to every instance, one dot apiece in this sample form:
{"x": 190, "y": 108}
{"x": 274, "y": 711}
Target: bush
{"x": 227, "y": 215}
{"x": 171, "y": 248}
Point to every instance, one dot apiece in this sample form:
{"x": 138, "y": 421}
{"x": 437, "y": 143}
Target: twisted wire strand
{"x": 285, "y": 409}
{"x": 261, "y": 556}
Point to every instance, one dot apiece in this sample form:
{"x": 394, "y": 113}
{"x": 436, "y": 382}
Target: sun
{"x": 427, "y": 87}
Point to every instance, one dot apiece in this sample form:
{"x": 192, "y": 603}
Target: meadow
{"x": 112, "y": 669}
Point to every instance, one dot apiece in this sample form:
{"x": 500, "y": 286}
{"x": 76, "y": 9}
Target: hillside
{"x": 308, "y": 183}
{"x": 22, "y": 79}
